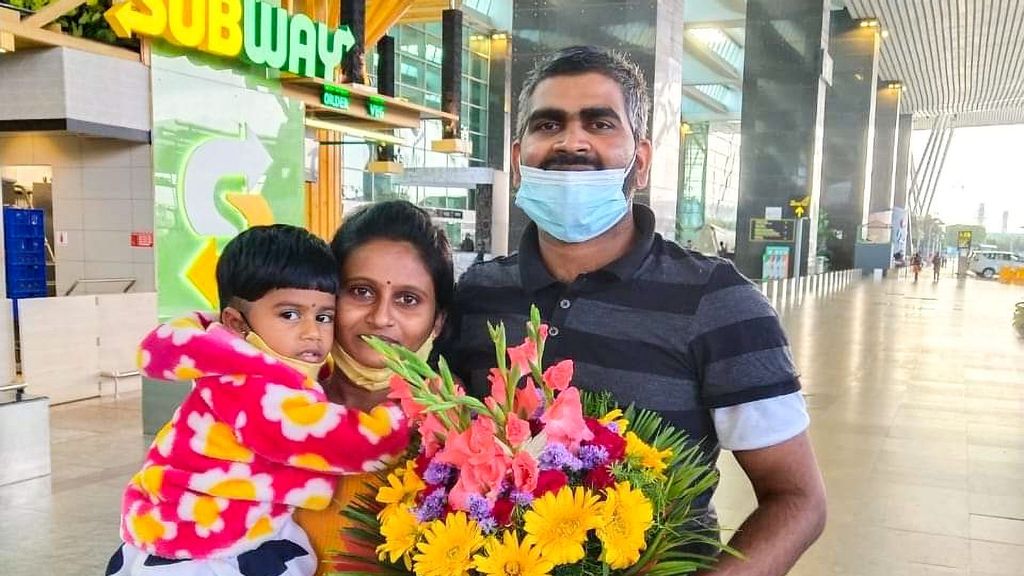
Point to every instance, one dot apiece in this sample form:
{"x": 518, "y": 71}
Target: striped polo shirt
{"x": 665, "y": 328}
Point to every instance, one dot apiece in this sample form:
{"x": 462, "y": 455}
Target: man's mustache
{"x": 562, "y": 159}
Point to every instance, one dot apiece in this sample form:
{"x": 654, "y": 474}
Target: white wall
{"x": 66, "y": 343}
{"x": 102, "y": 192}
{"x": 62, "y": 83}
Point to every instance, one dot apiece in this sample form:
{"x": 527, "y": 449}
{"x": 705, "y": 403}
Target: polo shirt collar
{"x": 535, "y": 275}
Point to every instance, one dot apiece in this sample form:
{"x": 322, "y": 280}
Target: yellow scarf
{"x": 366, "y": 377}
{"x": 308, "y": 369}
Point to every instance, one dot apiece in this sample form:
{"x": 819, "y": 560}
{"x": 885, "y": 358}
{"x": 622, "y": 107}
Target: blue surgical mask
{"x": 573, "y": 206}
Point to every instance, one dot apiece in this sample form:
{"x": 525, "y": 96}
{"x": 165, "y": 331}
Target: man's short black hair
{"x": 401, "y": 221}
{"x": 265, "y": 258}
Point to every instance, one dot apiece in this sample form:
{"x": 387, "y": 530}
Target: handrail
{"x": 130, "y": 282}
{"x": 15, "y": 386}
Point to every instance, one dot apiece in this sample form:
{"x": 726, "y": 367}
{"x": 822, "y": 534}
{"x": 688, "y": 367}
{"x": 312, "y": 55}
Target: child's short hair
{"x": 265, "y": 258}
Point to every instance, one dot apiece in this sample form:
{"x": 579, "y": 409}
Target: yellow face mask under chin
{"x": 366, "y": 377}
{"x": 309, "y": 369}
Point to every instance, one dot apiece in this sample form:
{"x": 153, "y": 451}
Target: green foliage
{"x": 86, "y": 21}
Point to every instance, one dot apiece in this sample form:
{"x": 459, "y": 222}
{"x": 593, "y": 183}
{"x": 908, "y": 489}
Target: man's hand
{"x": 790, "y": 511}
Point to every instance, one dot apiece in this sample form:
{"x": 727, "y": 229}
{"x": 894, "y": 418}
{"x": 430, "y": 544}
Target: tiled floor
{"x": 916, "y": 393}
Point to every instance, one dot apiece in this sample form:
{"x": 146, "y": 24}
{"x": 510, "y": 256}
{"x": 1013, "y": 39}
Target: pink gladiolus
{"x": 524, "y": 472}
{"x": 481, "y": 461}
{"x": 543, "y": 332}
{"x": 401, "y": 392}
{"x": 559, "y": 376}
{"x": 429, "y": 429}
{"x": 498, "y": 391}
{"x": 528, "y": 399}
{"x": 522, "y": 355}
{"x": 563, "y": 421}
{"x": 517, "y": 430}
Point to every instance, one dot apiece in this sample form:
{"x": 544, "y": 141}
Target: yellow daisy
{"x": 626, "y": 514}
{"x": 648, "y": 456}
{"x": 401, "y": 531}
{"x": 448, "y": 547}
{"x": 618, "y": 418}
{"x": 509, "y": 557}
{"x": 403, "y": 486}
{"x": 558, "y": 523}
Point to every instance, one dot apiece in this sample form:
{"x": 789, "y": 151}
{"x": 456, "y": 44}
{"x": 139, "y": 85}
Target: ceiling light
{"x": 885, "y": 33}
{"x": 869, "y": 23}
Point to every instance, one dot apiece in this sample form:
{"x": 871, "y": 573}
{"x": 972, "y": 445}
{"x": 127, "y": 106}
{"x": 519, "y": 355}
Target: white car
{"x": 989, "y": 263}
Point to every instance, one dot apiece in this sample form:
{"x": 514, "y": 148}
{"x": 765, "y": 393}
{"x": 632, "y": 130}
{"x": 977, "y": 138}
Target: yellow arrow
{"x": 254, "y": 208}
{"x": 799, "y": 211}
{"x": 202, "y": 272}
{"x": 125, "y": 19}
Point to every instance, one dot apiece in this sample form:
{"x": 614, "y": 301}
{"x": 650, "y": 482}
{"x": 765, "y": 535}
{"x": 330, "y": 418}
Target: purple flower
{"x": 557, "y": 457}
{"x": 488, "y": 525}
{"x": 613, "y": 426}
{"x": 593, "y": 456}
{"x": 521, "y": 498}
{"x": 437, "y": 473}
{"x": 479, "y": 507}
{"x": 432, "y": 506}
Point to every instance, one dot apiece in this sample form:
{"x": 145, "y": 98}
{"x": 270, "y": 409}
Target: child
{"x": 256, "y": 436}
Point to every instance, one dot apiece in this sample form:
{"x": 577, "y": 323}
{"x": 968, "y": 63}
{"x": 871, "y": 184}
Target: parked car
{"x": 988, "y": 263}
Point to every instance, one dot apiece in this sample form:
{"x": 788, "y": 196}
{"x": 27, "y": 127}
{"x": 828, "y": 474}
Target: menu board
{"x": 764, "y": 230}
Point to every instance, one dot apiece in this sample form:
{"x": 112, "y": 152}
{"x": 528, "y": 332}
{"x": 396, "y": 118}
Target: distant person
{"x": 467, "y": 244}
{"x": 689, "y": 244}
{"x": 915, "y": 264}
{"x": 722, "y": 250}
{"x": 936, "y": 266}
{"x": 481, "y": 254}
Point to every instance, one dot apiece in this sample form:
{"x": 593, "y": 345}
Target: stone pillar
{"x": 849, "y": 135}
{"x": 451, "y": 71}
{"x": 785, "y": 78}
{"x": 654, "y": 42}
{"x": 353, "y": 13}
{"x": 883, "y": 168}
{"x": 902, "y": 178}
{"x": 386, "y": 86}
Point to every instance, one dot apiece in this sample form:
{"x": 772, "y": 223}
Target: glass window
{"x": 432, "y": 52}
{"x": 409, "y": 72}
{"x": 478, "y": 67}
{"x": 432, "y": 99}
{"x": 432, "y": 77}
{"x": 411, "y": 41}
{"x": 477, "y": 93}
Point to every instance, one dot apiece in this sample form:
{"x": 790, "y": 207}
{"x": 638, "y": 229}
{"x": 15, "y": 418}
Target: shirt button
{"x": 564, "y": 304}
{"x": 553, "y": 331}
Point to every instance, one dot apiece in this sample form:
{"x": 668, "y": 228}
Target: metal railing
{"x": 129, "y": 283}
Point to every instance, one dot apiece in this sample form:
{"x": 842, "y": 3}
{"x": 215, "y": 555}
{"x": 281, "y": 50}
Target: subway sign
{"x": 255, "y": 31}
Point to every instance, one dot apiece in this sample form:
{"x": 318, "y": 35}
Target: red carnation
{"x": 605, "y": 438}
{"x": 599, "y": 478}
{"x": 502, "y": 511}
{"x": 550, "y": 481}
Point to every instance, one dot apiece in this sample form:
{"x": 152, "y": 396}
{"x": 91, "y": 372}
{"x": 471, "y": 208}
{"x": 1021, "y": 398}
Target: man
{"x": 666, "y": 328}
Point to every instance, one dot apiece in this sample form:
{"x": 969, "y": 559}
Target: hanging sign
{"x": 256, "y": 31}
{"x": 764, "y": 230}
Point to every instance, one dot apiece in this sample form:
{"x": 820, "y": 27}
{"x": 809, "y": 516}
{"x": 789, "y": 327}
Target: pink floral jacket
{"x": 252, "y": 440}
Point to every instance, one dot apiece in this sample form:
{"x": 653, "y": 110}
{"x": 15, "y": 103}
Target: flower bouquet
{"x": 534, "y": 479}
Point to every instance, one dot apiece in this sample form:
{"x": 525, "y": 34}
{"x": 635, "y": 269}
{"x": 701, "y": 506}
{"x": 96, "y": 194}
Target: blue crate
{"x": 23, "y": 223}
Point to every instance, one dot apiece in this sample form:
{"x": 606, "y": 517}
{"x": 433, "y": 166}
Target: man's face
{"x": 580, "y": 122}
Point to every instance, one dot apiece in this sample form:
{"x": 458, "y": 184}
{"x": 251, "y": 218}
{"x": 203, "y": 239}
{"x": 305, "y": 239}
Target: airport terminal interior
{"x": 856, "y": 160}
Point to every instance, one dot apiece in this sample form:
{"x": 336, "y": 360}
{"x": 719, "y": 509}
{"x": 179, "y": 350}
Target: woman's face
{"x": 388, "y": 292}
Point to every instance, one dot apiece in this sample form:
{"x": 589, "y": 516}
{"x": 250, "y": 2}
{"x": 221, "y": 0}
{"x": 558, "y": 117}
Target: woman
{"x": 397, "y": 283}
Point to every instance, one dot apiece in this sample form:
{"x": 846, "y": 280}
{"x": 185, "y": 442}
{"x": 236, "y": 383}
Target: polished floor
{"x": 916, "y": 393}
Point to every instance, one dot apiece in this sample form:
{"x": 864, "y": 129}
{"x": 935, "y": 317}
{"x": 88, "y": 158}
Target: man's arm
{"x": 790, "y": 512}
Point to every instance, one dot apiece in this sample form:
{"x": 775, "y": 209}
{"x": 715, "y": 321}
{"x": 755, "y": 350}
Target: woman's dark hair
{"x": 401, "y": 221}
{"x": 265, "y": 258}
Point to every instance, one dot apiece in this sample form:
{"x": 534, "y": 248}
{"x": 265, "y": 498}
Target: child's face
{"x": 386, "y": 291}
{"x": 295, "y": 323}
